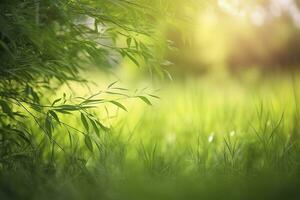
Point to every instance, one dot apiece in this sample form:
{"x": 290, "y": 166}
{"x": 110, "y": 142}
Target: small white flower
{"x": 211, "y": 137}
{"x": 232, "y": 133}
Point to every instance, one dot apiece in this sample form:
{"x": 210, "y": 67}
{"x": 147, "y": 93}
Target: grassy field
{"x": 149, "y": 99}
{"x": 206, "y": 138}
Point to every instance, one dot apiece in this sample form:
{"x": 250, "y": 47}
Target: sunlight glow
{"x": 231, "y": 7}
{"x": 257, "y": 14}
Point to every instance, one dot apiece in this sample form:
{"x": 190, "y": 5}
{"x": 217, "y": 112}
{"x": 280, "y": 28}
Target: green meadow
{"x": 113, "y": 99}
{"x": 198, "y": 138}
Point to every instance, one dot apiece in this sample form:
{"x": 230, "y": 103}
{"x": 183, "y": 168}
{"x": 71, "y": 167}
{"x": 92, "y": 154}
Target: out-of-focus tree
{"x": 234, "y": 34}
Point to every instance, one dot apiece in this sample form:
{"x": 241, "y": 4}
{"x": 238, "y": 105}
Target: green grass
{"x": 209, "y": 138}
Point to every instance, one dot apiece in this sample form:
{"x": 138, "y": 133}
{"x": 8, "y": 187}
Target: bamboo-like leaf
{"x": 101, "y": 125}
{"x": 119, "y": 105}
{"x": 62, "y": 111}
{"x": 132, "y": 59}
{"x": 110, "y": 85}
{"x": 55, "y": 101}
{"x": 84, "y": 122}
{"x": 92, "y": 101}
{"x": 136, "y": 44}
{"x": 54, "y": 115}
{"x": 128, "y": 41}
{"x": 145, "y": 99}
{"x": 96, "y": 129}
{"x": 117, "y": 93}
{"x": 68, "y": 107}
{"x": 48, "y": 126}
{"x": 119, "y": 88}
{"x": 168, "y": 74}
{"x": 88, "y": 142}
{"x": 154, "y": 96}
{"x": 96, "y": 25}
{"x": 5, "y": 108}
{"x": 35, "y": 96}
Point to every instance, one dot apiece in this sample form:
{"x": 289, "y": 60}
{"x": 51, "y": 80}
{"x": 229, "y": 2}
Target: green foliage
{"x": 242, "y": 143}
{"x": 46, "y": 44}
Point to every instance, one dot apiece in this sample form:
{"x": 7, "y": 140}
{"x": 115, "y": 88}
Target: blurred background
{"x": 232, "y": 36}
{"x": 239, "y": 35}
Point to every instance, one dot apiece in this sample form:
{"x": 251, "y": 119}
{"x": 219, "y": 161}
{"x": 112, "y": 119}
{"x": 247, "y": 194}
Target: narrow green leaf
{"x": 119, "y": 105}
{"x": 70, "y": 138}
{"x": 88, "y": 142}
{"x": 64, "y": 98}
{"x": 55, "y": 101}
{"x": 96, "y": 129}
{"x": 145, "y": 100}
{"x": 132, "y": 59}
{"x": 68, "y": 107}
{"x": 5, "y": 108}
{"x": 128, "y": 41}
{"x": 154, "y": 96}
{"x": 36, "y": 107}
{"x": 117, "y": 93}
{"x": 168, "y": 74}
{"x": 96, "y": 25}
{"x": 92, "y": 101}
{"x": 136, "y": 44}
{"x": 102, "y": 126}
{"x": 62, "y": 111}
{"x": 48, "y": 126}
{"x": 35, "y": 96}
{"x": 110, "y": 85}
{"x": 119, "y": 88}
{"x": 54, "y": 115}
{"x": 22, "y": 135}
{"x": 84, "y": 122}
